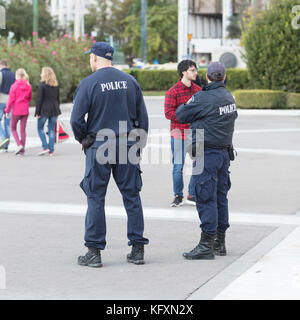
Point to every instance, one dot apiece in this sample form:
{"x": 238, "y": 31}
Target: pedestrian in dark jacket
{"x": 47, "y": 108}
{"x": 7, "y": 78}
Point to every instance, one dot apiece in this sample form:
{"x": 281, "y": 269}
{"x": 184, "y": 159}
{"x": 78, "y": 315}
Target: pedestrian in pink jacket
{"x": 20, "y": 95}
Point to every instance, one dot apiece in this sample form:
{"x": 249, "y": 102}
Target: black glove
{"x": 87, "y": 142}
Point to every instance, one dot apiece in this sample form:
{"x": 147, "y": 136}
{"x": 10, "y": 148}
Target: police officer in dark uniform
{"x": 114, "y": 105}
{"x": 213, "y": 110}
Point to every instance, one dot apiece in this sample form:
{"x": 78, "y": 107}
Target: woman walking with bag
{"x": 47, "y": 108}
{"x": 20, "y": 94}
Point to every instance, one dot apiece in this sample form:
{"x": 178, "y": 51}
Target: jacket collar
{"x": 214, "y": 85}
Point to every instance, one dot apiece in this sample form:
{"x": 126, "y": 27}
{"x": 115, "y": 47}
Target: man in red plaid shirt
{"x": 180, "y": 93}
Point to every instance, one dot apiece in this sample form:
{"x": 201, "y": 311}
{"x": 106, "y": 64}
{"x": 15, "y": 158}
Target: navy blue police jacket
{"x": 108, "y": 96}
{"x": 213, "y": 110}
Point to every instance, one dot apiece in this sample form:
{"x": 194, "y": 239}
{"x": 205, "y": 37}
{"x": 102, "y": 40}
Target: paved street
{"x": 42, "y": 213}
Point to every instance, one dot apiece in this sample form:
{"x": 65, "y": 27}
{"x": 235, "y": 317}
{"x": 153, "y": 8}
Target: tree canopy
{"x": 122, "y": 20}
{"x": 19, "y": 19}
{"x": 273, "y": 48}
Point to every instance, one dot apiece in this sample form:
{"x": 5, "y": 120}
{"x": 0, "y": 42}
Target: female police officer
{"x": 109, "y": 97}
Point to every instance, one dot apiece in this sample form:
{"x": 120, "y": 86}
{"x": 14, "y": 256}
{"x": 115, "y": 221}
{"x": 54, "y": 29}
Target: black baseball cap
{"x": 102, "y": 49}
{"x": 216, "y": 71}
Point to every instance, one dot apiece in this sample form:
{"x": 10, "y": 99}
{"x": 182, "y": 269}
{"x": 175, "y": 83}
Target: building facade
{"x": 202, "y": 31}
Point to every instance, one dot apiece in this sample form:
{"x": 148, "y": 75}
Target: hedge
{"x": 293, "y": 100}
{"x": 266, "y": 99}
{"x": 160, "y": 80}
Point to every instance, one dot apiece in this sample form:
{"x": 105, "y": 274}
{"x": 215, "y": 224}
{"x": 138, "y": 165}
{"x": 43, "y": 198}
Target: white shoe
{"x": 19, "y": 149}
{"x": 4, "y": 142}
{"x": 43, "y": 152}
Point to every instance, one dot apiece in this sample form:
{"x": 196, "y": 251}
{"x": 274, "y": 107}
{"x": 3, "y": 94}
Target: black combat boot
{"x": 204, "y": 250}
{"x": 219, "y": 244}
{"x": 91, "y": 259}
{"x": 136, "y": 255}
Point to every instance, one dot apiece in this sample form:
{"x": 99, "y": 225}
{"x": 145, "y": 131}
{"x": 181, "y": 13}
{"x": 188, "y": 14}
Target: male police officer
{"x": 213, "y": 110}
{"x": 110, "y": 97}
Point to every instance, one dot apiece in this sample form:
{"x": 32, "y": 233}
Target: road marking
{"x": 186, "y": 212}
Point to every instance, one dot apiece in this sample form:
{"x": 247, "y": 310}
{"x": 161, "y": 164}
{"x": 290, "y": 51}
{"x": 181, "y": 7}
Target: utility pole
{"x": 36, "y": 16}
{"x": 77, "y": 19}
{"x": 144, "y": 35}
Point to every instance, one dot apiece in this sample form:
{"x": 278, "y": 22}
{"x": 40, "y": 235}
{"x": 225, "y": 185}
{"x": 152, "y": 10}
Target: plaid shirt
{"x": 176, "y": 96}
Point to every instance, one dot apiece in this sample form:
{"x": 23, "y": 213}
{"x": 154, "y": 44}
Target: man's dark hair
{"x": 184, "y": 66}
{"x": 215, "y": 77}
{"x": 3, "y": 63}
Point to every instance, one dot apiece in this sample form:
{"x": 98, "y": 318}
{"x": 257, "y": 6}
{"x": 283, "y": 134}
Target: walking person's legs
{"x": 23, "y": 131}
{"x": 7, "y": 129}
{"x": 4, "y": 140}
{"x": 40, "y": 127}
{"x": 2, "y": 131}
{"x": 51, "y": 132}
{"x": 13, "y": 128}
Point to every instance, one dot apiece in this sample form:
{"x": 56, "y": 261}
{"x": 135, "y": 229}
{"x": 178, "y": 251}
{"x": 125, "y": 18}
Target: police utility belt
{"x": 230, "y": 149}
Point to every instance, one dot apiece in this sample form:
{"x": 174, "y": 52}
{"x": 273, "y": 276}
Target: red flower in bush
{"x": 54, "y": 53}
{"x": 34, "y": 33}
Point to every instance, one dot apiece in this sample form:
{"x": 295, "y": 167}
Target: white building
{"x": 64, "y": 10}
{"x": 202, "y": 33}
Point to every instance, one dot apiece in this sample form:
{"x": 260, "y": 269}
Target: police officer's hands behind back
{"x": 87, "y": 142}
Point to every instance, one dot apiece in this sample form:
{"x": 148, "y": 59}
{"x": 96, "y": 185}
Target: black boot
{"x": 204, "y": 250}
{"x": 91, "y": 259}
{"x": 219, "y": 244}
{"x": 137, "y": 254}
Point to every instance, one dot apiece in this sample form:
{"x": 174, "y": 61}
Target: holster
{"x": 232, "y": 152}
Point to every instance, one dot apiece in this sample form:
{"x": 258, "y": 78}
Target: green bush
{"x": 273, "y": 48}
{"x": 293, "y": 100}
{"x": 165, "y": 79}
{"x": 260, "y": 99}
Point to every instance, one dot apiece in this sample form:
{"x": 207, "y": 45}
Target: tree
{"x": 121, "y": 18}
{"x": 19, "y": 19}
{"x": 162, "y": 33}
{"x": 273, "y": 48}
